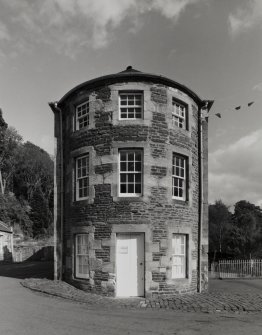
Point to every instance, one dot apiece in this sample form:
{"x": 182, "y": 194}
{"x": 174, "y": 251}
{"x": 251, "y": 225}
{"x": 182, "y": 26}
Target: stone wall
{"x": 33, "y": 251}
{"x": 155, "y": 213}
{"x": 6, "y": 247}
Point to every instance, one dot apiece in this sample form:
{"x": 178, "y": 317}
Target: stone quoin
{"x": 131, "y": 206}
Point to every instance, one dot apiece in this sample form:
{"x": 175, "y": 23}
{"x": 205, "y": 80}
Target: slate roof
{"x": 5, "y": 228}
{"x": 130, "y": 74}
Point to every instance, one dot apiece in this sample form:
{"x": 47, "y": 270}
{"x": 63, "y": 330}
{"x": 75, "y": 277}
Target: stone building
{"x": 131, "y": 186}
{"x": 6, "y": 243}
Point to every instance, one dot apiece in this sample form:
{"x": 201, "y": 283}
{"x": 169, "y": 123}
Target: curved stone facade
{"x": 143, "y": 177}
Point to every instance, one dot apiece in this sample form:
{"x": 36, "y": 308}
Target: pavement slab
{"x": 212, "y": 302}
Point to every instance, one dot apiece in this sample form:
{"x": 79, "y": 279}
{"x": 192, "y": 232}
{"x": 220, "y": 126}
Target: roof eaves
{"x": 131, "y": 75}
{"x": 5, "y": 228}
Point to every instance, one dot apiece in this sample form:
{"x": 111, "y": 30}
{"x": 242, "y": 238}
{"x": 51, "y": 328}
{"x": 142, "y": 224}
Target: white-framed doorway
{"x": 130, "y": 265}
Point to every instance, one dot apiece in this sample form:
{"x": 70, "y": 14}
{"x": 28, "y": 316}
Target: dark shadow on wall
{"x": 40, "y": 264}
{"x": 7, "y": 254}
{"x": 43, "y": 254}
{"x": 28, "y": 269}
{"x": 33, "y": 252}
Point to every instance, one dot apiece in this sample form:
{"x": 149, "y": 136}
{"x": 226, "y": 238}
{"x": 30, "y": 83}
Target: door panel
{"x": 130, "y": 265}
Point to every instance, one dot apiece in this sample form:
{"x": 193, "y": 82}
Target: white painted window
{"x": 82, "y": 115}
{"x": 178, "y": 114}
{"x": 82, "y": 177}
{"x": 130, "y": 172}
{"x": 81, "y": 256}
{"x": 131, "y": 105}
{"x": 179, "y": 257}
{"x": 179, "y": 182}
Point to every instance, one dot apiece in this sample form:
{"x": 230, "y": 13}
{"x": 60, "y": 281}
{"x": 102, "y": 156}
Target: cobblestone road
{"x": 213, "y": 302}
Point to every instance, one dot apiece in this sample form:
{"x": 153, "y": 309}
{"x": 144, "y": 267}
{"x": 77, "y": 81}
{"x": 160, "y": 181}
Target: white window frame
{"x": 82, "y": 115}
{"x": 133, "y": 172}
{"x": 82, "y": 176}
{"x": 134, "y": 106}
{"x": 179, "y": 114}
{"x": 179, "y": 176}
{"x": 81, "y": 256}
{"x": 179, "y": 256}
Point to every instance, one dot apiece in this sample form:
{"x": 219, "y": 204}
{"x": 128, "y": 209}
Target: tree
{"x": 11, "y": 141}
{"x": 246, "y": 238}
{"x": 33, "y": 182}
{"x": 220, "y": 225}
{"x": 34, "y": 171}
{"x": 26, "y": 183}
{"x": 13, "y": 211}
{"x": 40, "y": 214}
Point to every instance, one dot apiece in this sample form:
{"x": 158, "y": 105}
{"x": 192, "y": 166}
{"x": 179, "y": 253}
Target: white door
{"x": 130, "y": 265}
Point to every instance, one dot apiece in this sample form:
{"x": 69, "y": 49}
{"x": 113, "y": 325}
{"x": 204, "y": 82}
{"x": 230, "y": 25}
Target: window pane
{"x": 122, "y": 156}
{"x": 131, "y": 156}
{"x": 179, "y": 256}
{"x": 82, "y": 177}
{"x": 176, "y": 182}
{"x": 123, "y": 188}
{"x": 138, "y": 156}
{"x": 132, "y": 103}
{"x": 130, "y": 188}
{"x": 85, "y": 192}
{"x": 138, "y": 113}
{"x": 131, "y": 166}
{"x": 82, "y": 115}
{"x": 179, "y": 177}
{"x": 82, "y": 262}
{"x": 130, "y": 176}
{"x": 138, "y": 188}
{"x": 81, "y": 194}
{"x": 138, "y": 166}
{"x": 123, "y": 166}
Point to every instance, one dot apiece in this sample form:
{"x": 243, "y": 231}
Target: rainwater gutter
{"x": 58, "y": 269}
{"x": 202, "y": 117}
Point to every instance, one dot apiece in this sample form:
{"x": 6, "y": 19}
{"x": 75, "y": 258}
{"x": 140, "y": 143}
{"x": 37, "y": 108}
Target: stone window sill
{"x": 180, "y": 202}
{"x": 179, "y": 281}
{"x": 129, "y": 199}
{"x": 83, "y": 202}
{"x": 84, "y": 280}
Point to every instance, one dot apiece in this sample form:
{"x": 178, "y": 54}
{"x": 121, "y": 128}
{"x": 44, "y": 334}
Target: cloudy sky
{"x": 212, "y": 46}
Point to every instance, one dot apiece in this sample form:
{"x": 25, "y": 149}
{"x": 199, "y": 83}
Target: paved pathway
{"x": 24, "y": 312}
{"x": 205, "y": 302}
{"x": 225, "y": 295}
